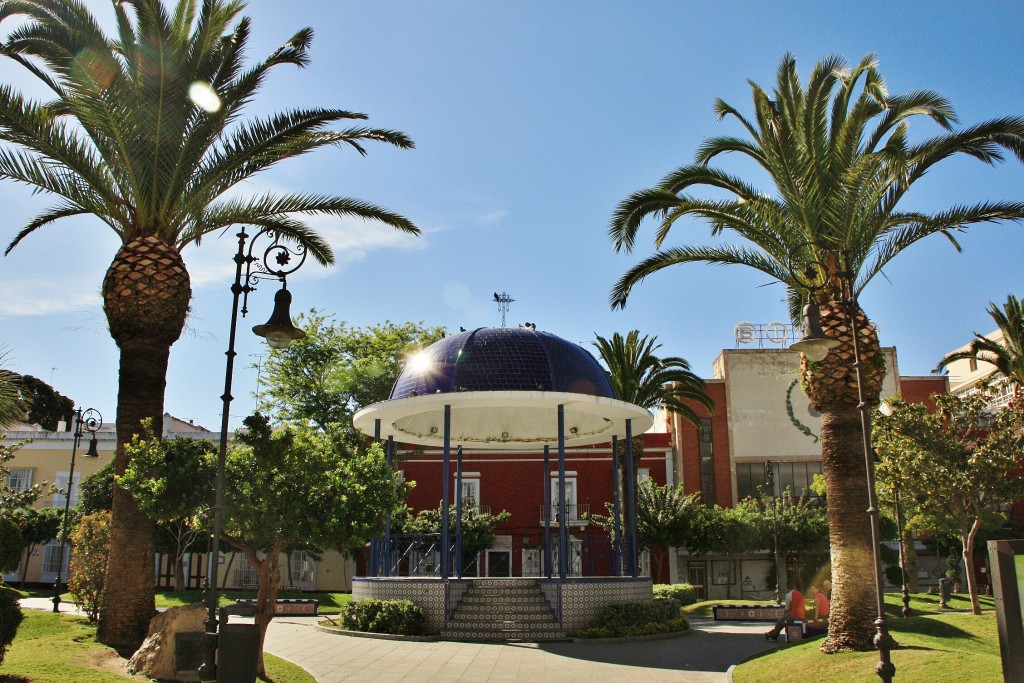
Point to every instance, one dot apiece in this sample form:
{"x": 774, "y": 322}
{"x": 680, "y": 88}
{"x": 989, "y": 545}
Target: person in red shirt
{"x": 795, "y": 611}
{"x": 821, "y": 604}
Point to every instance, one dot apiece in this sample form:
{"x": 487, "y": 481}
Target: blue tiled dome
{"x": 503, "y": 359}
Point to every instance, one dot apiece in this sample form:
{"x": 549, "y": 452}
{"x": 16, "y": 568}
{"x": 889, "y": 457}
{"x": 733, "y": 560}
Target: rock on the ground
{"x": 156, "y": 657}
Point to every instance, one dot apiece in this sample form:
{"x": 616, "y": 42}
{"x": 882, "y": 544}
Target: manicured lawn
{"x": 934, "y": 647}
{"x": 52, "y": 648}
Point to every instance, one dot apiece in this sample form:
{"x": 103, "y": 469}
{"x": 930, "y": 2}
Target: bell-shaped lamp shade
{"x": 279, "y": 331}
{"x": 92, "y": 452}
{"x": 814, "y": 345}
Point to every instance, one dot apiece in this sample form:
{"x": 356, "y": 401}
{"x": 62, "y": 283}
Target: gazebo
{"x": 506, "y": 389}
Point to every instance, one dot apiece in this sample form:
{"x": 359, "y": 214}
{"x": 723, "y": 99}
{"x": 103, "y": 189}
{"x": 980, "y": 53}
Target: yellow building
{"x": 45, "y": 458}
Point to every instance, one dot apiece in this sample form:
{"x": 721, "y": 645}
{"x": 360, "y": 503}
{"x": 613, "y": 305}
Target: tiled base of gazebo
{"x": 500, "y": 609}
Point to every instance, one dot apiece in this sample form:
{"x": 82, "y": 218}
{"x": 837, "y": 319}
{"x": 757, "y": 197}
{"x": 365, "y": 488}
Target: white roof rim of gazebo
{"x": 503, "y": 420}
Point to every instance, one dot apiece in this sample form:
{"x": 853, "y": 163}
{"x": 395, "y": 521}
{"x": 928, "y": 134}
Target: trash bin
{"x": 237, "y": 646}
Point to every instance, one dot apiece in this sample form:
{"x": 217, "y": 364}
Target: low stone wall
{"x": 583, "y": 598}
{"x": 427, "y": 593}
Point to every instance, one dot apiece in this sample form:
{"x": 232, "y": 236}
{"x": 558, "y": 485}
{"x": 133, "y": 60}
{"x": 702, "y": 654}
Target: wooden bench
{"x": 747, "y": 612}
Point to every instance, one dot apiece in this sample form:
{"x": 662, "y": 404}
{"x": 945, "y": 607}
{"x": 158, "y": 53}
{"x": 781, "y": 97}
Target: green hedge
{"x": 397, "y": 617}
{"x": 10, "y": 617}
{"x": 642, "y": 618}
{"x": 684, "y": 593}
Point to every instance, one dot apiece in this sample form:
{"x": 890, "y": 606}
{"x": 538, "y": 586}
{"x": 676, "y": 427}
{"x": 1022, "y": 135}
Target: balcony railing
{"x": 576, "y": 514}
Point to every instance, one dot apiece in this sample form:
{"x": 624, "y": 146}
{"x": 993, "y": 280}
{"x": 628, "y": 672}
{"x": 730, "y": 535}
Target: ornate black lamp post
{"x": 85, "y": 421}
{"x": 279, "y": 332}
{"x": 816, "y": 339}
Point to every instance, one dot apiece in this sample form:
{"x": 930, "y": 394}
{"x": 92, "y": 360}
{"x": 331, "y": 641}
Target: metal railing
{"x": 575, "y": 514}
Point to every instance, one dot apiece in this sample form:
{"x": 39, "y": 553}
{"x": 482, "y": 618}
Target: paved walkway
{"x": 701, "y": 656}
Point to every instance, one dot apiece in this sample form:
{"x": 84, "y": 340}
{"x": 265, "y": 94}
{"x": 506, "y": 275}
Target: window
{"x": 471, "y": 490}
{"x": 707, "y": 472}
{"x": 572, "y": 509}
{"x": 59, "y": 496}
{"x": 643, "y": 474}
{"x": 973, "y": 364}
{"x": 796, "y": 476}
{"x": 20, "y": 479}
{"x": 246, "y": 576}
{"x": 51, "y": 556}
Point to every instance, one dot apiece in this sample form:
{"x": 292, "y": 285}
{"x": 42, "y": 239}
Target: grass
{"x": 52, "y": 648}
{"x": 935, "y": 646}
{"x": 330, "y": 603}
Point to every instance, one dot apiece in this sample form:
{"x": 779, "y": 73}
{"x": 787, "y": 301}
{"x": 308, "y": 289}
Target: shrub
{"x": 683, "y": 593}
{"x": 91, "y": 543}
{"x": 627, "y": 619}
{"x": 10, "y": 617}
{"x": 397, "y": 617}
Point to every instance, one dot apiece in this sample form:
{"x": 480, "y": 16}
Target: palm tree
{"x": 640, "y": 377}
{"x": 1007, "y": 356}
{"x": 839, "y": 155}
{"x": 12, "y": 404}
{"x": 145, "y": 131}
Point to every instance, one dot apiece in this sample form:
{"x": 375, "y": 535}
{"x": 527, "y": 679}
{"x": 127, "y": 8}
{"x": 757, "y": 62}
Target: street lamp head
{"x": 93, "y": 451}
{"x": 814, "y": 344}
{"x": 279, "y": 330}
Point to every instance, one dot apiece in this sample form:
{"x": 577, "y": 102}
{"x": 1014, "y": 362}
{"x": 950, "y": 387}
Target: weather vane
{"x": 503, "y": 300}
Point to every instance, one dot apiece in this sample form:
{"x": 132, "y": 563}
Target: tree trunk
{"x": 179, "y": 573}
{"x": 908, "y": 554}
{"x": 967, "y": 537}
{"x": 145, "y": 297}
{"x": 266, "y": 596}
{"x": 24, "y": 567}
{"x": 853, "y": 607}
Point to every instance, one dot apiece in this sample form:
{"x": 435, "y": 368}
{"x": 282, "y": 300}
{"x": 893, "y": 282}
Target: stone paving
{"x": 703, "y": 655}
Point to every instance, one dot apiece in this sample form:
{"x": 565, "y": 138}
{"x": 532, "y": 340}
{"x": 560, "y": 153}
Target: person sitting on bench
{"x": 795, "y": 611}
{"x": 821, "y": 604}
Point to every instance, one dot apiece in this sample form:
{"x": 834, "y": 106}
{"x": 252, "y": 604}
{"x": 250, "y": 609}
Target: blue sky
{"x": 532, "y": 120}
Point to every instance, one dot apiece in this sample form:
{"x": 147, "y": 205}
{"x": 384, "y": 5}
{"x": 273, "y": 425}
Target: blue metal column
{"x": 631, "y": 500}
{"x": 616, "y": 507}
{"x": 446, "y": 481}
{"x": 375, "y": 549}
{"x": 547, "y": 511}
{"x": 563, "y": 506}
{"x": 387, "y": 525}
{"x": 458, "y": 513}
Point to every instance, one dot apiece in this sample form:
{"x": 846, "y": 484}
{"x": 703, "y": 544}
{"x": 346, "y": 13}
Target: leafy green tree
{"x": 38, "y": 526}
{"x": 956, "y": 467}
{"x": 144, "y": 129}
{"x": 787, "y": 525}
{"x": 838, "y": 153}
{"x": 663, "y": 518}
{"x": 178, "y": 477}
{"x": 88, "y": 570}
{"x": 46, "y": 405}
{"x": 1008, "y": 355}
{"x": 477, "y": 528}
{"x": 296, "y": 486}
{"x": 337, "y": 369}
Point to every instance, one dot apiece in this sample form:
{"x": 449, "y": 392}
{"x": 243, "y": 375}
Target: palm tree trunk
{"x": 146, "y": 293}
{"x": 128, "y": 599}
{"x": 853, "y": 590}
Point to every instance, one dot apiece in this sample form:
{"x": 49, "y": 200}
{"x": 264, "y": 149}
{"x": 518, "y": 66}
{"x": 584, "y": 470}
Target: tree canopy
{"x": 955, "y": 467}
{"x": 337, "y": 369}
